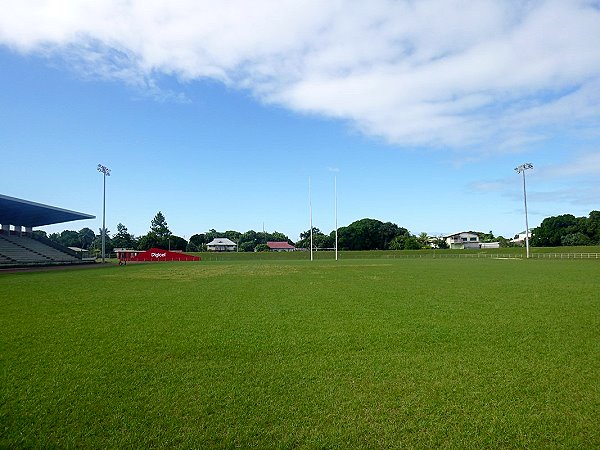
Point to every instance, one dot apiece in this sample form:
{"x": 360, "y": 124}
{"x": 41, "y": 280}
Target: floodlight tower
{"x": 311, "y": 225}
{"x": 106, "y": 172}
{"x": 336, "y": 222}
{"x": 521, "y": 169}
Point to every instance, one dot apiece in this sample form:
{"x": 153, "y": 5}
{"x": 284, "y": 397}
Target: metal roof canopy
{"x": 16, "y": 211}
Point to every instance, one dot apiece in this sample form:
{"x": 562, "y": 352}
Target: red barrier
{"x": 158, "y": 254}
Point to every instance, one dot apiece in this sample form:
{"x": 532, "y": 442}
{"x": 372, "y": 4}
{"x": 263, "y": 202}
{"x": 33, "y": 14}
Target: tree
{"x": 324, "y": 241}
{"x": 248, "y": 241}
{"x": 232, "y": 235}
{"x": 97, "y": 244}
{"x": 553, "y": 229}
{"x": 440, "y": 243}
{"x": 177, "y": 243}
{"x": 40, "y": 233}
{"x": 504, "y": 243}
{"x": 486, "y": 237}
{"x": 197, "y": 243}
{"x": 276, "y": 236}
{"x": 159, "y": 226}
{"x": 397, "y": 243}
{"x": 575, "y": 239}
{"x": 150, "y": 240}
{"x": 69, "y": 238}
{"x": 369, "y": 234}
{"x": 123, "y": 239}
{"x": 306, "y": 234}
{"x": 247, "y": 246}
{"x": 592, "y": 227}
{"x": 261, "y": 248}
{"x": 423, "y": 240}
{"x": 158, "y": 236}
{"x": 405, "y": 242}
{"x": 320, "y": 240}
{"x": 387, "y": 232}
{"x": 86, "y": 238}
{"x": 106, "y": 230}
{"x": 567, "y": 229}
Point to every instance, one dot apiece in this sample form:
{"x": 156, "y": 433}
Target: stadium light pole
{"x": 336, "y": 222}
{"x": 521, "y": 169}
{"x": 311, "y": 225}
{"x": 106, "y": 171}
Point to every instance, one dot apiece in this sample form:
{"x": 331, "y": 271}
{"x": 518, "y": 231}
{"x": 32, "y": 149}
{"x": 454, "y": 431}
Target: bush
{"x": 574, "y": 239}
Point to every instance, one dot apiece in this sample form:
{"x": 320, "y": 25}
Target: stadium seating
{"x": 19, "y": 250}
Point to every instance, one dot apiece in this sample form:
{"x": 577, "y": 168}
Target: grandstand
{"x": 18, "y": 245}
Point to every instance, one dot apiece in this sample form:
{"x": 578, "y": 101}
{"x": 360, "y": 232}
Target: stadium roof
{"x": 16, "y": 211}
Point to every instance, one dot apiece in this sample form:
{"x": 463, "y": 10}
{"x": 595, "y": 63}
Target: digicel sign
{"x": 158, "y": 254}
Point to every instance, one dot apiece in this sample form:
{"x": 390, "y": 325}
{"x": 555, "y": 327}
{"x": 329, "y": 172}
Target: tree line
{"x": 160, "y": 236}
{"x": 363, "y": 234}
{"x": 567, "y": 230}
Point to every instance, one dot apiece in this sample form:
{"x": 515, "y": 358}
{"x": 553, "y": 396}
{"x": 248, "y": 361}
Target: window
{"x": 473, "y": 239}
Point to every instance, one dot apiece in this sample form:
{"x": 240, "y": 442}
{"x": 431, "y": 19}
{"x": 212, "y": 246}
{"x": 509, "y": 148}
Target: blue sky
{"x": 218, "y": 117}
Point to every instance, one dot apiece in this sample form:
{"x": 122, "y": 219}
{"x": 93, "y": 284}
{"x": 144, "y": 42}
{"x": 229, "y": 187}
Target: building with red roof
{"x": 280, "y": 247}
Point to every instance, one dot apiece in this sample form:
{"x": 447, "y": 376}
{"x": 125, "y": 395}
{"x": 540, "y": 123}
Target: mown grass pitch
{"x": 280, "y": 354}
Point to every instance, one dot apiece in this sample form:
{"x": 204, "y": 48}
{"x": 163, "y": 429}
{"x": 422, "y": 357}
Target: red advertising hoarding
{"x": 158, "y": 254}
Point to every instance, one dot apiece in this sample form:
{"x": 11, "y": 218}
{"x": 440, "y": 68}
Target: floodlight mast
{"x": 521, "y": 169}
{"x": 106, "y": 171}
{"x": 311, "y": 225}
{"x": 336, "y": 222}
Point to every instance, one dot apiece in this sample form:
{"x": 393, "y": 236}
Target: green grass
{"x": 379, "y": 353}
{"x": 388, "y": 254}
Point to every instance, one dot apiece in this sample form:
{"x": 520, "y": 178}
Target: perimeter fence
{"x": 500, "y": 256}
{"x": 387, "y": 254}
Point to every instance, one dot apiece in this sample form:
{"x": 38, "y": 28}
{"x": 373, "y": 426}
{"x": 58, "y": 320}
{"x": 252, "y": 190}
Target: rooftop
{"x": 16, "y": 211}
{"x": 279, "y": 245}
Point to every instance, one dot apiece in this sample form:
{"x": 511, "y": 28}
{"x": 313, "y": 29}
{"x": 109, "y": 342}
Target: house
{"x": 462, "y": 240}
{"x": 221, "y": 245}
{"x": 280, "y": 247}
{"x": 520, "y": 237}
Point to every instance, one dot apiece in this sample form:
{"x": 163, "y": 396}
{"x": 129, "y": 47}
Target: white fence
{"x": 566, "y": 255}
{"x": 503, "y": 255}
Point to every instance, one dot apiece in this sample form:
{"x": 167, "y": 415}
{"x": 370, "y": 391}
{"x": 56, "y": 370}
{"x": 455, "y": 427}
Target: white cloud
{"x": 587, "y": 165}
{"x": 586, "y": 195}
{"x": 573, "y": 181}
{"x": 444, "y": 73}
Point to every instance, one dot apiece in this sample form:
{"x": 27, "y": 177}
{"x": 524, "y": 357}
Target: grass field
{"x": 391, "y": 254}
{"x": 373, "y": 353}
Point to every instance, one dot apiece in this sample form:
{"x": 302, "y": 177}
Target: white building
{"x": 520, "y": 238}
{"x": 489, "y": 245}
{"x": 221, "y": 245}
{"x": 462, "y": 240}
